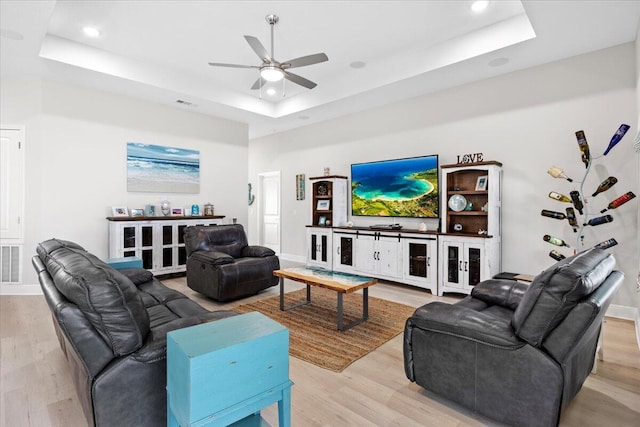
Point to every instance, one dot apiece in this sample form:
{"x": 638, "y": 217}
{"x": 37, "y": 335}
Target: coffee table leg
{"x": 365, "y": 311}
{"x": 340, "y": 306}
{"x": 298, "y": 304}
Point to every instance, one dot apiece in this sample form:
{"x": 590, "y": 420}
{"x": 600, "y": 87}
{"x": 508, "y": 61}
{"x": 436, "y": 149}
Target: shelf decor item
{"x": 457, "y": 203}
{"x": 605, "y": 185}
{"x": 616, "y": 137}
{"x": 165, "y": 207}
{"x": 137, "y": 212}
{"x": 556, "y": 172}
{"x": 119, "y": 211}
{"x": 481, "y": 183}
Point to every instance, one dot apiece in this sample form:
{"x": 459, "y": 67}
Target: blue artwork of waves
{"x": 155, "y": 168}
{"x": 402, "y": 187}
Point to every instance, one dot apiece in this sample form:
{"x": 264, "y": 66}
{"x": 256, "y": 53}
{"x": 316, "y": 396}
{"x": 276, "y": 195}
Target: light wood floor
{"x": 36, "y": 388}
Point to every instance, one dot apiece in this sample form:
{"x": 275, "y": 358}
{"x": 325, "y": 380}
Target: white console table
{"x": 158, "y": 241}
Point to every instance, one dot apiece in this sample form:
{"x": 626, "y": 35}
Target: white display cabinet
{"x": 158, "y": 241}
{"x": 470, "y": 243}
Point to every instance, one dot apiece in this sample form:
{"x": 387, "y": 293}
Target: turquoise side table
{"x": 224, "y": 371}
{"x": 127, "y": 262}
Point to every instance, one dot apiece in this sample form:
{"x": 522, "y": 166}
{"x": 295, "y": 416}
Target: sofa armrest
{"x": 464, "y": 323}
{"x": 212, "y": 258}
{"x": 257, "y": 251}
{"x": 503, "y": 292}
{"x": 137, "y": 275}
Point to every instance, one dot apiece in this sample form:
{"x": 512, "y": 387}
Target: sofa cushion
{"x": 105, "y": 296}
{"x": 555, "y": 291}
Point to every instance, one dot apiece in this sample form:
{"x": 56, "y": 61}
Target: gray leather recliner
{"x": 223, "y": 266}
{"x": 515, "y": 352}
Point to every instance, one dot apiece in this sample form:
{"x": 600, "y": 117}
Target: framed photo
{"x": 481, "y": 183}
{"x": 119, "y": 211}
{"x": 137, "y": 212}
{"x": 300, "y": 186}
{"x": 322, "y": 220}
{"x": 177, "y": 212}
{"x": 323, "y": 205}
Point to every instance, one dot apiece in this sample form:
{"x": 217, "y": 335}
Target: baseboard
{"x": 626, "y": 313}
{"x": 6, "y": 289}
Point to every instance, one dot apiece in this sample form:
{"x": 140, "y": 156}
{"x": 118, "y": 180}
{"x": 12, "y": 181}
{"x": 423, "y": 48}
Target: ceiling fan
{"x": 272, "y": 70}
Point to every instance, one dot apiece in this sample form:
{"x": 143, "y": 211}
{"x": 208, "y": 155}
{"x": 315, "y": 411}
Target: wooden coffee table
{"x": 341, "y": 283}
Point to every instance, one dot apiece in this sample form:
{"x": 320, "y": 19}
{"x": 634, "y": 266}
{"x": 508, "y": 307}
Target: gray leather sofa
{"x": 514, "y": 352}
{"x": 223, "y": 266}
{"x": 112, "y": 328}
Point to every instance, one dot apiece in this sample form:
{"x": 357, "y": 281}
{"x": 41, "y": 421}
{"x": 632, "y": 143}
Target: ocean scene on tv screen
{"x": 157, "y": 168}
{"x": 396, "y": 188}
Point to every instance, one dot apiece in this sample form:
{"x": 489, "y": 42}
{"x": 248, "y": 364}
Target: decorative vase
{"x": 165, "y": 207}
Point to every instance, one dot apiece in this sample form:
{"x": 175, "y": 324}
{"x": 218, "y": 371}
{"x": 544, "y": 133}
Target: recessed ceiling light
{"x": 479, "y": 5}
{"x": 358, "y": 64}
{"x": 303, "y": 117}
{"x": 271, "y": 91}
{"x": 91, "y": 32}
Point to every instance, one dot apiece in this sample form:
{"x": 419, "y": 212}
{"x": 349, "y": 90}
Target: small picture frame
{"x": 481, "y": 183}
{"x": 323, "y": 205}
{"x": 300, "y": 186}
{"x": 322, "y": 220}
{"x": 177, "y": 212}
{"x": 119, "y": 211}
{"x": 137, "y": 212}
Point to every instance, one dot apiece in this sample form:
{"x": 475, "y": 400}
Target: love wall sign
{"x": 471, "y": 158}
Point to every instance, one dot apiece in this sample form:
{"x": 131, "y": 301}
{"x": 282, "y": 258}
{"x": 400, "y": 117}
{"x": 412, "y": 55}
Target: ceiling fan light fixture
{"x": 271, "y": 73}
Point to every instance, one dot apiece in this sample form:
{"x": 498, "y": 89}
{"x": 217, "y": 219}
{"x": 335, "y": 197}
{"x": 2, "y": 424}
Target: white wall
{"x": 76, "y": 159}
{"x": 526, "y": 120}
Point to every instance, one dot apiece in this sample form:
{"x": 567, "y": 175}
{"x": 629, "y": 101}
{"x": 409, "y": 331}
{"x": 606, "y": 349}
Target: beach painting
{"x": 159, "y": 169}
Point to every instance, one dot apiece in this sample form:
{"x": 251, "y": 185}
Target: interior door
{"x": 270, "y": 210}
{"x": 11, "y": 182}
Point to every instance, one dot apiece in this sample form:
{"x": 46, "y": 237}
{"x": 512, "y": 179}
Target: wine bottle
{"x": 556, "y": 172}
{"x": 605, "y": 185}
{"x": 553, "y": 214}
{"x": 571, "y": 217}
{"x": 584, "y": 147}
{"x": 619, "y": 201}
{"x": 606, "y": 244}
{"x": 556, "y": 255}
{"x": 577, "y": 202}
{"x": 559, "y": 197}
{"x": 555, "y": 240}
{"x": 600, "y": 220}
{"x": 616, "y": 137}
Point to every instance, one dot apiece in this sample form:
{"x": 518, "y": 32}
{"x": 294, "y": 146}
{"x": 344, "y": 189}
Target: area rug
{"x": 313, "y": 334}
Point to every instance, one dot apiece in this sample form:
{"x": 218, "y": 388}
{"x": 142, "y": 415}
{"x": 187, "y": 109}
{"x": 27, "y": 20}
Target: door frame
{"x": 261, "y": 198}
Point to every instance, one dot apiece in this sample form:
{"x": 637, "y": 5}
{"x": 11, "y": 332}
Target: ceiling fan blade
{"x": 305, "y": 60}
{"x": 258, "y": 48}
{"x": 217, "y": 64}
{"x": 258, "y": 83}
{"x": 299, "y": 80}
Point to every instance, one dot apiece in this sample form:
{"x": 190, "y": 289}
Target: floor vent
{"x": 10, "y": 262}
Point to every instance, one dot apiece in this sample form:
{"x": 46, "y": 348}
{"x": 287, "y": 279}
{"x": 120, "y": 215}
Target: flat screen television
{"x": 396, "y": 188}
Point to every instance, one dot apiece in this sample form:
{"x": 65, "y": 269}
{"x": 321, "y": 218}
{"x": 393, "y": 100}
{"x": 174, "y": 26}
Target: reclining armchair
{"x": 222, "y": 266}
{"x": 514, "y": 352}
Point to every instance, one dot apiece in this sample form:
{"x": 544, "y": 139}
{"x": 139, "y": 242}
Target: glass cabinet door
{"x": 474, "y": 258}
{"x": 346, "y": 251}
{"x": 418, "y": 259}
{"x": 453, "y": 260}
{"x": 129, "y": 240}
{"x": 146, "y": 252}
